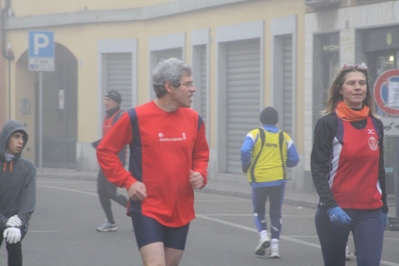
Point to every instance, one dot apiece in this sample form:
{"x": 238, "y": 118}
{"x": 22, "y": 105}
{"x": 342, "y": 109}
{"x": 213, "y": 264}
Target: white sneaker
{"x": 107, "y": 227}
{"x": 274, "y": 253}
{"x": 264, "y": 243}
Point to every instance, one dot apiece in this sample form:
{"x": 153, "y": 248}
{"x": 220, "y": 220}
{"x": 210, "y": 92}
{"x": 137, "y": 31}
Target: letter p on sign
{"x": 40, "y": 41}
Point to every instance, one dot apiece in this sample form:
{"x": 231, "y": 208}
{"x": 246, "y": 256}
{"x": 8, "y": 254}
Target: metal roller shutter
{"x": 119, "y": 76}
{"x": 203, "y": 87}
{"x": 166, "y": 54}
{"x": 243, "y": 96}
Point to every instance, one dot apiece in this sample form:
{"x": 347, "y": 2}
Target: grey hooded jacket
{"x": 17, "y": 180}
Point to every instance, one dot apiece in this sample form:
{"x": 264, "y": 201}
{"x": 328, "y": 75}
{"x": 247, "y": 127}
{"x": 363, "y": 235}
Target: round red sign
{"x": 386, "y": 92}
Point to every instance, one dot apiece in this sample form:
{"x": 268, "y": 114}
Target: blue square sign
{"x": 41, "y": 51}
{"x": 41, "y": 44}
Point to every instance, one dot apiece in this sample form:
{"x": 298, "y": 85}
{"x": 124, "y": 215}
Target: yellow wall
{"x": 82, "y": 40}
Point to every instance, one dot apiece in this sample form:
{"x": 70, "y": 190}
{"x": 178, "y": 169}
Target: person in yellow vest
{"x": 265, "y": 153}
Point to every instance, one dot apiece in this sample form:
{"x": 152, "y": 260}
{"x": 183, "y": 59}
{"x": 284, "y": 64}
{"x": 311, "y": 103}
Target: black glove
{"x": 245, "y": 168}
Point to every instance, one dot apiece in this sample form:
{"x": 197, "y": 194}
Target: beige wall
{"x": 82, "y": 39}
{"x": 41, "y": 7}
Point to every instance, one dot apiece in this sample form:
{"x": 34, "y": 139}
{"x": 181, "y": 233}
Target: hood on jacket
{"x": 9, "y": 128}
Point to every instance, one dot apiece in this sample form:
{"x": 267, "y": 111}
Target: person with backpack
{"x": 105, "y": 189}
{"x": 265, "y": 153}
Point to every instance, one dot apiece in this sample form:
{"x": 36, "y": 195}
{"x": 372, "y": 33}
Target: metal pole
{"x": 65, "y": 119}
{"x": 393, "y": 222}
{"x": 9, "y": 89}
{"x": 40, "y": 120}
{"x": 396, "y": 176}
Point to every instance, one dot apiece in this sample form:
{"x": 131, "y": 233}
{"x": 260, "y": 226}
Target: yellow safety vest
{"x": 269, "y": 156}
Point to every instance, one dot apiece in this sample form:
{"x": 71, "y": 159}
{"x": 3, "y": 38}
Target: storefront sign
{"x": 331, "y": 48}
{"x": 386, "y": 92}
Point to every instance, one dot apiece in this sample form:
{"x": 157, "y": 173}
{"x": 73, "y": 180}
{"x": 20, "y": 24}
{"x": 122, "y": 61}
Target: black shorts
{"x": 149, "y": 230}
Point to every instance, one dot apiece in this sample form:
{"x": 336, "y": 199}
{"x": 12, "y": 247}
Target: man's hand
{"x": 137, "y": 191}
{"x": 12, "y": 235}
{"x": 196, "y": 180}
{"x": 245, "y": 168}
{"x": 14, "y": 221}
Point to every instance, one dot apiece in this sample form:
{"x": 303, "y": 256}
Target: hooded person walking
{"x": 17, "y": 190}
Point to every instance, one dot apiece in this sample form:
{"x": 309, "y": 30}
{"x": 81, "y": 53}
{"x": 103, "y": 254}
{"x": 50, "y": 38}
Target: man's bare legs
{"x": 155, "y": 254}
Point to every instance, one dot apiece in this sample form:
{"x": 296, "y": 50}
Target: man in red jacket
{"x": 168, "y": 159}
{"x": 106, "y": 190}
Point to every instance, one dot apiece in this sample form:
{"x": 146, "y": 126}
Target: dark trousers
{"x": 276, "y": 197}
{"x": 107, "y": 192}
{"x": 368, "y": 233}
{"x": 14, "y": 251}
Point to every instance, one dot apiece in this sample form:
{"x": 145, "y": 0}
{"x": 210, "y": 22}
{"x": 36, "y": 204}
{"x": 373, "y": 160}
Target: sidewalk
{"x": 292, "y": 197}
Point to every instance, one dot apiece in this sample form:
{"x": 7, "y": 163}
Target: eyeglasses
{"x": 187, "y": 84}
{"x": 356, "y": 66}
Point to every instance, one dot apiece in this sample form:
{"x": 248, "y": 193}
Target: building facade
{"x": 246, "y": 55}
{"x": 354, "y": 32}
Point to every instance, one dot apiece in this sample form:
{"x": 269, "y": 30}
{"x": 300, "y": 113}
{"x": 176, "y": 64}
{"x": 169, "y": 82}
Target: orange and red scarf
{"x": 345, "y": 113}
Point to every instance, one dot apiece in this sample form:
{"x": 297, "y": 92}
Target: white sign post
{"x": 41, "y": 58}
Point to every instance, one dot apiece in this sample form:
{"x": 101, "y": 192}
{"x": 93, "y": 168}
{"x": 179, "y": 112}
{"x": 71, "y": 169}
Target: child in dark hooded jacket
{"x": 17, "y": 189}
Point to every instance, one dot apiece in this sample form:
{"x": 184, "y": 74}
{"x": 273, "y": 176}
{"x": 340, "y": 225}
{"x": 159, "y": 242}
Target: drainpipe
{"x": 7, "y": 51}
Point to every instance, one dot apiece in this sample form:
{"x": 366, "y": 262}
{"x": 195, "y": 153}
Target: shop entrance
{"x": 59, "y": 111}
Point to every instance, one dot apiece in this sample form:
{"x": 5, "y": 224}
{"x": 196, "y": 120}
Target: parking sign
{"x": 41, "y": 51}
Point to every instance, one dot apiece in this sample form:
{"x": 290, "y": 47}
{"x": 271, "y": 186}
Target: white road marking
{"x": 251, "y": 215}
{"x": 68, "y": 189}
{"x": 43, "y": 231}
{"x": 388, "y": 263}
{"x": 201, "y": 216}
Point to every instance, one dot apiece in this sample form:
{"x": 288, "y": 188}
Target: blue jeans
{"x": 367, "y": 228}
{"x": 276, "y": 197}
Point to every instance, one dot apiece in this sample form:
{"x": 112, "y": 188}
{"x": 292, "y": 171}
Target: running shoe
{"x": 264, "y": 243}
{"x": 107, "y": 227}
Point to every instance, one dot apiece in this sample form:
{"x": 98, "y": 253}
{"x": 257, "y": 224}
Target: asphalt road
{"x": 62, "y": 232}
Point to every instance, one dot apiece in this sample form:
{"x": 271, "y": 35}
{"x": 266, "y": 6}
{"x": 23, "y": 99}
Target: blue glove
{"x": 385, "y": 218}
{"x": 338, "y": 216}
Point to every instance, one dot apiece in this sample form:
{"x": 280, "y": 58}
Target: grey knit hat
{"x": 114, "y": 95}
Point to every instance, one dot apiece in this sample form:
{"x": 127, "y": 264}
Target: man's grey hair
{"x": 170, "y": 70}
